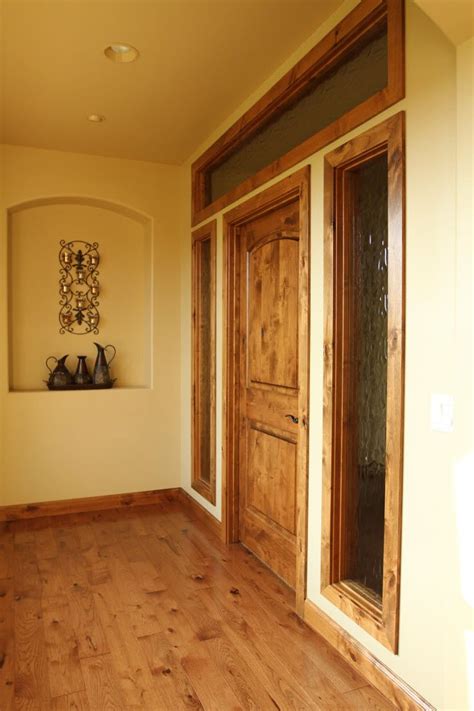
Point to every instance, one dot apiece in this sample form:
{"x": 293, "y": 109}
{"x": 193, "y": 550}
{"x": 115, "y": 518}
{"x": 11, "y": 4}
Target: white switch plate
{"x": 442, "y": 412}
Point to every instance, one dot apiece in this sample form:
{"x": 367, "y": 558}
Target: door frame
{"x": 295, "y": 186}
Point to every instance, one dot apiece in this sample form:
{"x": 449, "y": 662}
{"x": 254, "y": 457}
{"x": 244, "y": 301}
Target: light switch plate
{"x": 442, "y": 412}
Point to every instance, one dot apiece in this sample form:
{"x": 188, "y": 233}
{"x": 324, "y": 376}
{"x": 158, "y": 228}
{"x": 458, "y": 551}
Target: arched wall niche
{"x": 120, "y": 208}
{"x": 124, "y": 235}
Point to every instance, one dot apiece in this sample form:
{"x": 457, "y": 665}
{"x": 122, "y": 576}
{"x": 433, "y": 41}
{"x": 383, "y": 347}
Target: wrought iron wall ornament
{"x": 79, "y": 287}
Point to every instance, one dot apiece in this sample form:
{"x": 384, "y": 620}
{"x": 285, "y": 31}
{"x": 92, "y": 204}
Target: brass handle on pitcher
{"x": 115, "y": 352}
{"x": 47, "y": 361}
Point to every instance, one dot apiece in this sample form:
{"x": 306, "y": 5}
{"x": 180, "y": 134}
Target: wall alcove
{"x": 35, "y": 229}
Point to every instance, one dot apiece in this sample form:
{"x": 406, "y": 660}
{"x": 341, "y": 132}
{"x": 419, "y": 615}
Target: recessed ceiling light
{"x": 119, "y": 52}
{"x": 96, "y": 118}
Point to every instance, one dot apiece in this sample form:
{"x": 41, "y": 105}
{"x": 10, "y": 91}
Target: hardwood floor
{"x": 146, "y": 609}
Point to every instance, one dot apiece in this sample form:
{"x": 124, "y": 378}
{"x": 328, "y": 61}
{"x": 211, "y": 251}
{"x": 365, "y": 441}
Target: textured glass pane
{"x": 370, "y": 261}
{"x": 205, "y": 383}
{"x": 359, "y": 77}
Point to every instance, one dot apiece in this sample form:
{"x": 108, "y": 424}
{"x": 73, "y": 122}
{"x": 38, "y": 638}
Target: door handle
{"x": 293, "y": 419}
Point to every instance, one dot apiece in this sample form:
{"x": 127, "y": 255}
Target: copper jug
{"x": 60, "y": 376}
{"x": 102, "y": 367}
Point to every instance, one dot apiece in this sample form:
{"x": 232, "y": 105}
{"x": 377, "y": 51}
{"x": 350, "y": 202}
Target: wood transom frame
{"x": 349, "y": 34}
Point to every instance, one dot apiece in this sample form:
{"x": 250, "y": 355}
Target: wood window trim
{"x": 206, "y": 489}
{"x": 348, "y": 33}
{"x": 295, "y": 185}
{"x": 380, "y": 620}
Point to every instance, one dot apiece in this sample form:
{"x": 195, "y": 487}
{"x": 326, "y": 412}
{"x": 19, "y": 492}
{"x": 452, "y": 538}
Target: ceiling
{"x": 198, "y": 60}
{"x": 454, "y": 17}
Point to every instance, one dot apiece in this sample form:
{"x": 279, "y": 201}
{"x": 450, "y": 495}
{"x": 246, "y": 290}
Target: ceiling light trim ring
{"x": 121, "y": 52}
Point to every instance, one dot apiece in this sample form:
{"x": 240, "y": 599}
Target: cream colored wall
{"x": 432, "y": 656}
{"x": 458, "y": 520}
{"x": 64, "y": 445}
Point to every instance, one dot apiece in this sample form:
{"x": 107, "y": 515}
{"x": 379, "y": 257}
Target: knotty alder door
{"x": 271, "y": 418}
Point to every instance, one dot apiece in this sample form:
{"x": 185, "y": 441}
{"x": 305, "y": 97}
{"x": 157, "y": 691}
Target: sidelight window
{"x": 364, "y": 378}
{"x": 204, "y": 361}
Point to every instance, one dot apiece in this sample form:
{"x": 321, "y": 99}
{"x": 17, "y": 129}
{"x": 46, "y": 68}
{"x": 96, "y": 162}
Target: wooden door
{"x": 271, "y": 319}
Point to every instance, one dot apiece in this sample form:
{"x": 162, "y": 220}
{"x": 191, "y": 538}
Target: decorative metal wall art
{"x": 79, "y": 287}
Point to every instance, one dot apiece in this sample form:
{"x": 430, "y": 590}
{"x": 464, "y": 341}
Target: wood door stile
{"x": 266, "y": 364}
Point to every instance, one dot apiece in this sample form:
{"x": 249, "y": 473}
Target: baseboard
{"x": 389, "y": 684}
{"x": 201, "y": 513}
{"x": 16, "y": 512}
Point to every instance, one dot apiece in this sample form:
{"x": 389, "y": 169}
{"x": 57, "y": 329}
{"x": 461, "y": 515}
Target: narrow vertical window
{"x": 364, "y": 287}
{"x": 204, "y": 361}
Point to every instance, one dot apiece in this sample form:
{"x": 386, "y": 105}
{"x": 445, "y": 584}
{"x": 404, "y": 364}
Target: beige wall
{"x": 34, "y": 234}
{"x": 433, "y": 622}
{"x": 459, "y": 520}
{"x": 63, "y": 445}
{"x": 139, "y": 438}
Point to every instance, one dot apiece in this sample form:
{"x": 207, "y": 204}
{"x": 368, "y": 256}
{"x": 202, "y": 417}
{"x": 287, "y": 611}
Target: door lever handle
{"x": 293, "y": 419}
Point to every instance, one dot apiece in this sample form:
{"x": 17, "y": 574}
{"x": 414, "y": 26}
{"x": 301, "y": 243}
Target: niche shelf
{"x": 35, "y": 231}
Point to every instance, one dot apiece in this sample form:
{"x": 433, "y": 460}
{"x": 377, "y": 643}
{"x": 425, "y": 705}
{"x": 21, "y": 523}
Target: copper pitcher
{"x": 102, "y": 366}
{"x": 60, "y": 376}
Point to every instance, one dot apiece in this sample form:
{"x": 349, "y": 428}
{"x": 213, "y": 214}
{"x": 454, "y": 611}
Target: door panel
{"x": 272, "y": 410}
{"x": 271, "y": 482}
{"x": 273, "y": 313}
{"x": 269, "y": 377}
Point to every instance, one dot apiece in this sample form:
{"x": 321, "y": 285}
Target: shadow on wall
{"x": 124, "y": 235}
{"x": 464, "y": 497}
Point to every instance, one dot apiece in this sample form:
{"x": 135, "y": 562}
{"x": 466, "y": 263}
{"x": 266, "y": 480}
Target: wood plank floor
{"x": 145, "y": 609}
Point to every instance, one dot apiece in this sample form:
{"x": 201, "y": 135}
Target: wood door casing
{"x": 266, "y": 377}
